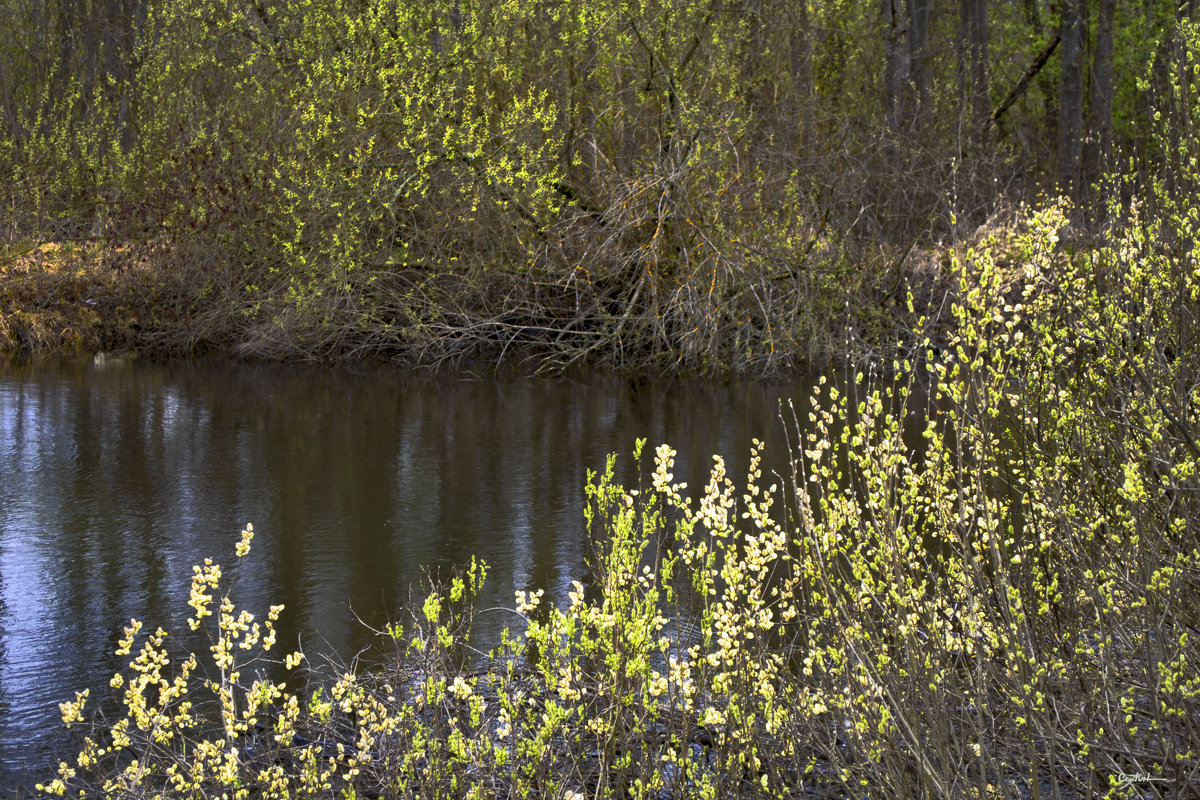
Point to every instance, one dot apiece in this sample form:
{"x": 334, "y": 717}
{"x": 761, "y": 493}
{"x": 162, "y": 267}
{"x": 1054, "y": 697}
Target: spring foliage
{"x": 660, "y": 184}
{"x": 384, "y": 178}
{"x": 1009, "y": 611}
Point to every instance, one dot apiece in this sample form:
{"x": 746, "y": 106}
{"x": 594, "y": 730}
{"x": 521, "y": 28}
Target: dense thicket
{"x": 671, "y": 184}
{"x": 1009, "y": 613}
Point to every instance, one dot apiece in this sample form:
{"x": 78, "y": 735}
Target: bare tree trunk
{"x": 973, "y": 60}
{"x": 124, "y": 23}
{"x": 591, "y": 100}
{"x": 9, "y": 108}
{"x": 1098, "y": 151}
{"x": 751, "y": 46}
{"x": 1045, "y": 84}
{"x": 69, "y": 23}
{"x": 918, "y": 42}
{"x": 896, "y": 68}
{"x": 801, "y": 53}
{"x": 1071, "y": 98}
{"x": 980, "y": 79}
{"x": 97, "y": 45}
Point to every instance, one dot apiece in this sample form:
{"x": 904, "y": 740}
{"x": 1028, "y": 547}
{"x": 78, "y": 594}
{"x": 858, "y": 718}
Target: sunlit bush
{"x": 1009, "y": 610}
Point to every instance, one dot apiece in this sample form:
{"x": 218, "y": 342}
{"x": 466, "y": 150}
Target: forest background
{"x": 723, "y": 187}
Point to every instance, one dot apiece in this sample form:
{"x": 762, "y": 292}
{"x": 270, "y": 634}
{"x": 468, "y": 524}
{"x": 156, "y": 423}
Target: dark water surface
{"x": 116, "y": 478}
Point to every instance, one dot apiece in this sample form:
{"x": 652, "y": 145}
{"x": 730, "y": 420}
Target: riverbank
{"x": 99, "y": 296}
{"x": 63, "y": 297}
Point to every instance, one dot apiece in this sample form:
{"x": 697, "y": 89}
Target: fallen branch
{"x": 1023, "y": 83}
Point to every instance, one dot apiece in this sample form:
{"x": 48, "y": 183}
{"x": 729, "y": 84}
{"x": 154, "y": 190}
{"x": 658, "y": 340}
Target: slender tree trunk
{"x": 980, "y": 79}
{"x": 751, "y": 45}
{"x": 896, "y": 68}
{"x": 590, "y": 102}
{"x": 9, "y": 108}
{"x": 801, "y": 54}
{"x": 123, "y": 26}
{"x": 1070, "y": 98}
{"x": 76, "y": 53}
{"x": 973, "y": 60}
{"x": 1098, "y": 152}
{"x": 1045, "y": 84}
{"x": 918, "y": 43}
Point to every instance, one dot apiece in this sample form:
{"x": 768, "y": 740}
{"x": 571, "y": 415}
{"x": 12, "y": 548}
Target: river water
{"x": 116, "y": 478}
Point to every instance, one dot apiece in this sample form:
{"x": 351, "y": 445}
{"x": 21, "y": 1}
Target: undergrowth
{"x": 1010, "y": 612}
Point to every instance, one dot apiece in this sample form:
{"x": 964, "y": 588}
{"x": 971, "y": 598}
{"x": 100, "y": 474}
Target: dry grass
{"x": 93, "y": 297}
